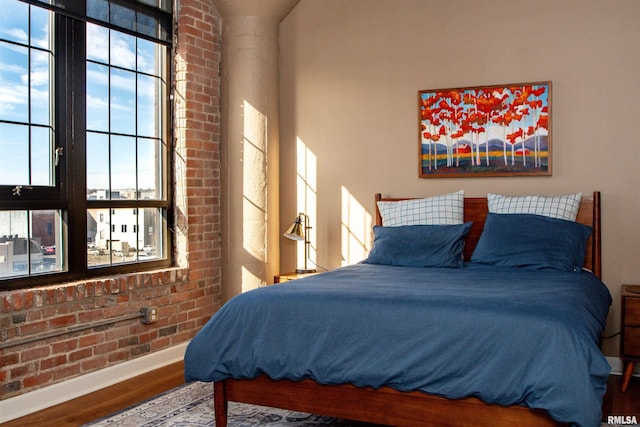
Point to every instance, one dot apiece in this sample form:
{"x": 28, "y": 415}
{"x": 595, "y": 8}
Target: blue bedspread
{"x": 505, "y": 335}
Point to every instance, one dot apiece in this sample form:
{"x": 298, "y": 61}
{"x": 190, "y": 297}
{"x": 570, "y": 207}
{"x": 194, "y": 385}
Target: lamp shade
{"x": 296, "y": 231}
{"x": 299, "y": 231}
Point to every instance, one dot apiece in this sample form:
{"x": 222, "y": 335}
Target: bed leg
{"x": 628, "y": 371}
{"x": 220, "y": 403}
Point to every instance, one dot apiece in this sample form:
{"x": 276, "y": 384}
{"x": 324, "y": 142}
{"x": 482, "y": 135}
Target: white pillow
{"x": 443, "y": 209}
{"x": 561, "y": 207}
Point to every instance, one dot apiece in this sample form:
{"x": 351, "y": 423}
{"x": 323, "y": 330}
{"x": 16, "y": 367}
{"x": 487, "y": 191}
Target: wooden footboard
{"x": 381, "y": 406}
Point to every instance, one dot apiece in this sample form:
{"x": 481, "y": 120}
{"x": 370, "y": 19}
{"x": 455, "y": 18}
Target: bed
{"x": 522, "y": 350}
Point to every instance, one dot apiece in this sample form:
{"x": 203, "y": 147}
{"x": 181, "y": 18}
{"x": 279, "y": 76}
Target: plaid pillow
{"x": 560, "y": 207}
{"x": 443, "y": 209}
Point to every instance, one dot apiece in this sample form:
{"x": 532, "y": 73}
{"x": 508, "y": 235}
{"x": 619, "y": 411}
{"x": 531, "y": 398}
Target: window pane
{"x": 150, "y": 160}
{"x": 122, "y": 16}
{"x": 97, "y": 97}
{"x": 150, "y": 223}
{"x": 123, "y": 167}
{"x": 98, "y": 9}
{"x": 148, "y": 57}
{"x": 14, "y": 233}
{"x": 98, "y": 237}
{"x": 123, "y": 243}
{"x": 41, "y": 28}
{"x": 97, "y": 166}
{"x": 14, "y": 91}
{"x": 126, "y": 235}
{"x": 149, "y": 25}
{"x": 47, "y": 230}
{"x": 132, "y": 101}
{"x": 97, "y": 43}
{"x": 122, "y": 102}
{"x": 30, "y": 242}
{"x": 14, "y": 19}
{"x": 41, "y": 156}
{"x": 123, "y": 50}
{"x": 133, "y": 18}
{"x": 25, "y": 96}
{"x": 14, "y": 154}
{"x": 149, "y": 106}
{"x": 41, "y": 64}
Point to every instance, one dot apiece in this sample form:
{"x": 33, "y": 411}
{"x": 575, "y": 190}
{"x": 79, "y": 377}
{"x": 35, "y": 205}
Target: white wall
{"x": 350, "y": 71}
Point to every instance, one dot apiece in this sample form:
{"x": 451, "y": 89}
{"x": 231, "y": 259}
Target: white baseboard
{"x": 617, "y": 366}
{"x": 37, "y": 400}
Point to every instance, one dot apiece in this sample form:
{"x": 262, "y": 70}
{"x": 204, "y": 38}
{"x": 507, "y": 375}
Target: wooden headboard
{"x": 475, "y": 210}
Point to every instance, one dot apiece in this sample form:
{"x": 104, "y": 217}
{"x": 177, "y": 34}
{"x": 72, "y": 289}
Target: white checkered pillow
{"x": 443, "y": 209}
{"x": 561, "y": 207}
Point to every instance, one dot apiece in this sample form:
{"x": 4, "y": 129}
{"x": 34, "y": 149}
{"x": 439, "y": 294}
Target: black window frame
{"x": 69, "y": 191}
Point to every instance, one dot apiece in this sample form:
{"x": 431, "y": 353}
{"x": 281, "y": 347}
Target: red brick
{"x": 28, "y": 298}
{"x": 118, "y": 356}
{"x": 7, "y": 306}
{"x": 61, "y": 295}
{"x": 33, "y": 328}
{"x": 89, "y": 340}
{"x": 80, "y": 354}
{"x": 86, "y": 316}
{"x": 16, "y": 300}
{"x": 52, "y": 362}
{"x": 37, "y": 380}
{"x": 127, "y": 342}
{"x": 64, "y": 346}
{"x": 62, "y": 321}
{"x": 50, "y": 296}
{"x": 23, "y": 370}
{"x": 116, "y": 311}
{"x": 105, "y": 348}
{"x": 34, "y": 353}
{"x": 66, "y": 372}
{"x": 93, "y": 364}
{"x": 39, "y": 298}
{"x": 148, "y": 337}
{"x": 9, "y": 359}
{"x": 116, "y": 333}
{"x": 80, "y": 291}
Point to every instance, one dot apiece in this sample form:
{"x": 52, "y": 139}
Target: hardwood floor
{"x": 106, "y": 401}
{"x": 119, "y": 396}
{"x": 618, "y": 403}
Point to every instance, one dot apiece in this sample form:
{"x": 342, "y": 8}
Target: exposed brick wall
{"x": 186, "y": 295}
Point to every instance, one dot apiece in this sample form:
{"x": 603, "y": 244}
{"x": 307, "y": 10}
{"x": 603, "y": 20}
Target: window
{"x": 84, "y": 133}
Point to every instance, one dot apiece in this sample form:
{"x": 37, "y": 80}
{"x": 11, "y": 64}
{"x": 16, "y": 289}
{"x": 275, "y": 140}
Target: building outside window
{"x": 84, "y": 138}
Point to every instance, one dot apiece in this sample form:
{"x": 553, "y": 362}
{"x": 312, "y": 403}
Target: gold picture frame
{"x": 499, "y": 130}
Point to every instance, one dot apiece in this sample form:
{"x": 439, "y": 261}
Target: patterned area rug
{"x": 192, "y": 405}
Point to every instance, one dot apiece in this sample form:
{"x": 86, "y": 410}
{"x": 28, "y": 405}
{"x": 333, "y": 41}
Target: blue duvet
{"x": 505, "y": 335}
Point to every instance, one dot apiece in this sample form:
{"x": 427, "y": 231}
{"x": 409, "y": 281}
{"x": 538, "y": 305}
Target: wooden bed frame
{"x": 386, "y": 405}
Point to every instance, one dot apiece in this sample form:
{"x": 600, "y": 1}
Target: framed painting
{"x": 501, "y": 130}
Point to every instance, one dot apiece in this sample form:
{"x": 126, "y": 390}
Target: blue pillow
{"x": 532, "y": 241}
{"x": 419, "y": 245}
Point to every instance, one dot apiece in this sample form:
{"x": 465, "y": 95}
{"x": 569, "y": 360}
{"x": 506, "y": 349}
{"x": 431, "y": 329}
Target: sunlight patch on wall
{"x": 356, "y": 229}
{"x": 307, "y": 196}
{"x": 181, "y": 226}
{"x": 254, "y": 194}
